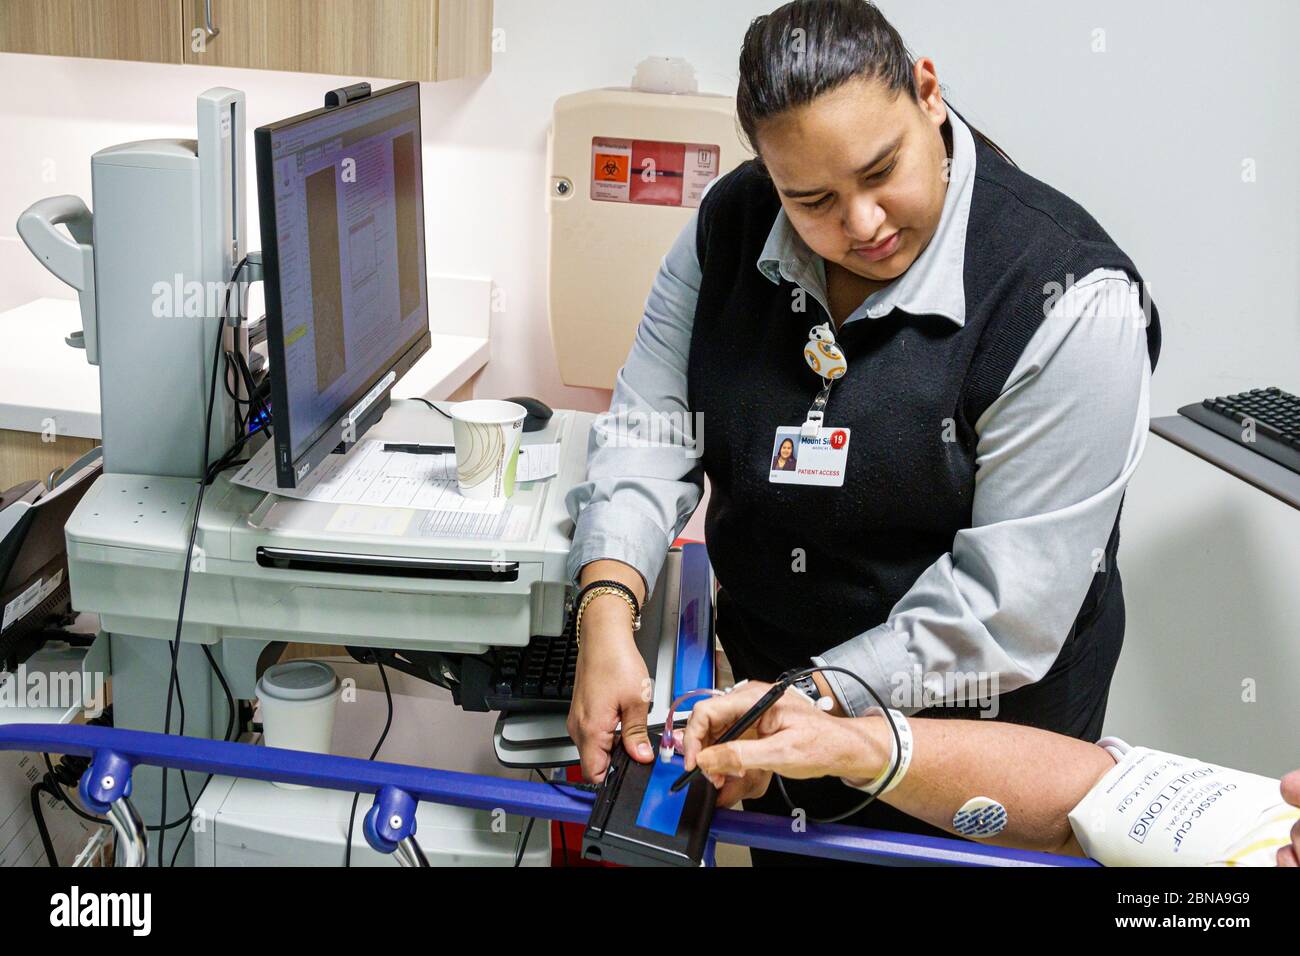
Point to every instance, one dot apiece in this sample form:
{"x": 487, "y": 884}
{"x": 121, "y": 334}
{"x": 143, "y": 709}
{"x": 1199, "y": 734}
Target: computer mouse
{"x": 539, "y": 413}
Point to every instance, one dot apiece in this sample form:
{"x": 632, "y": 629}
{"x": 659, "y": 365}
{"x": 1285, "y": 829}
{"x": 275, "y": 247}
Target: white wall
{"x": 1149, "y": 135}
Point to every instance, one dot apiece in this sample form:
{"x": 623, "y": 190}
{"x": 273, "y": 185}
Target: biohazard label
{"x": 650, "y": 172}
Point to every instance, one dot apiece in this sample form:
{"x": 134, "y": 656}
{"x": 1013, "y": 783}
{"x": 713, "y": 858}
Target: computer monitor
{"x": 341, "y": 203}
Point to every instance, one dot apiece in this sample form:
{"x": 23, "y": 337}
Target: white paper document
{"x": 368, "y": 475}
{"x": 535, "y": 461}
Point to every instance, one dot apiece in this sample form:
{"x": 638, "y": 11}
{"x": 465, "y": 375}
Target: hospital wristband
{"x": 904, "y": 761}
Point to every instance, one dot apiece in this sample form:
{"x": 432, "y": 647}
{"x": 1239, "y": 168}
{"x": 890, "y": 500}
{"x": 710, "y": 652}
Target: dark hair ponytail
{"x": 810, "y": 47}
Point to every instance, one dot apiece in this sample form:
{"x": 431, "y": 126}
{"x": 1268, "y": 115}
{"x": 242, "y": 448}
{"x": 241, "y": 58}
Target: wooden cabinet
{"x": 397, "y": 39}
{"x": 108, "y": 29}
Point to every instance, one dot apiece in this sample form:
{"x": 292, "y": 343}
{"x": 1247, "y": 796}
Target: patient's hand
{"x": 1290, "y": 855}
{"x": 792, "y": 738}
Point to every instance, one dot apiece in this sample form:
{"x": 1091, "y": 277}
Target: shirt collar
{"x": 933, "y": 285}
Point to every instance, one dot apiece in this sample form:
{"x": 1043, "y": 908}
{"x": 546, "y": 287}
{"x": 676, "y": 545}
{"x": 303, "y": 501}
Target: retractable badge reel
{"x": 827, "y": 359}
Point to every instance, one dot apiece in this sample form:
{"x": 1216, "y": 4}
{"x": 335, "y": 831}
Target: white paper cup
{"x": 298, "y": 701}
{"x": 487, "y": 434}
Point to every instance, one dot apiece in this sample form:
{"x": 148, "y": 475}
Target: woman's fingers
{"x": 636, "y": 736}
{"x": 594, "y": 738}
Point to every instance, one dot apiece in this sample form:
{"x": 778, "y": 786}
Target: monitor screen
{"x": 341, "y": 198}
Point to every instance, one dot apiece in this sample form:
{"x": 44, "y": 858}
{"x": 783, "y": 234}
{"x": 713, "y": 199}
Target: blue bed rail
{"x": 114, "y": 752}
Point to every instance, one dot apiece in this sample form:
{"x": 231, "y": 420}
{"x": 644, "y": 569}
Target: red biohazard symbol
{"x": 838, "y": 438}
{"x": 610, "y": 167}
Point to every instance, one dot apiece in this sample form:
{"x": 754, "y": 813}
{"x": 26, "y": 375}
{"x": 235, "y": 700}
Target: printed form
{"x": 368, "y": 475}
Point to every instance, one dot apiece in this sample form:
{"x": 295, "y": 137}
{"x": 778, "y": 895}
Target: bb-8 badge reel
{"x": 827, "y": 359}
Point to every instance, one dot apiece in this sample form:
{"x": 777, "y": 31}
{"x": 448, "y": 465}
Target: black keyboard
{"x": 1270, "y": 413}
{"x": 535, "y": 678}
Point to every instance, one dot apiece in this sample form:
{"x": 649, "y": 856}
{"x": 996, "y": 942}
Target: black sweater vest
{"x": 807, "y": 568}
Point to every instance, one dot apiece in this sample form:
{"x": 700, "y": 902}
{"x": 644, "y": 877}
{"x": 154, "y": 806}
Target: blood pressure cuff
{"x": 1159, "y": 809}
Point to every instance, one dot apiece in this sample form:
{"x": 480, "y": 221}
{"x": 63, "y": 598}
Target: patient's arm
{"x": 1037, "y": 775}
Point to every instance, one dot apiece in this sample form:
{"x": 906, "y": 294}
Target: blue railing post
{"x": 389, "y": 826}
{"x": 105, "y": 788}
{"x": 107, "y": 779}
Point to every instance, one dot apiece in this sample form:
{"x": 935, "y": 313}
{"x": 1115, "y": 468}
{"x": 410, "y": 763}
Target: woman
{"x": 993, "y": 409}
{"x": 785, "y": 460}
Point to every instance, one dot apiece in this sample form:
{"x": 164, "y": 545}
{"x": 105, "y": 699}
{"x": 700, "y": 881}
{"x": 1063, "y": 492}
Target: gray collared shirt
{"x": 1055, "y": 452}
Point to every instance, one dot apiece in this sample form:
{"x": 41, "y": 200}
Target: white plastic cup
{"x": 487, "y": 433}
{"x": 298, "y": 701}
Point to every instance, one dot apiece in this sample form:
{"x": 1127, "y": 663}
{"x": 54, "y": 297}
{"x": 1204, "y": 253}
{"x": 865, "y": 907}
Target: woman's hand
{"x": 612, "y": 685}
{"x": 793, "y": 738}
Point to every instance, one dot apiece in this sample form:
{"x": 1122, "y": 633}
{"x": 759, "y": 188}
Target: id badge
{"x": 799, "y": 459}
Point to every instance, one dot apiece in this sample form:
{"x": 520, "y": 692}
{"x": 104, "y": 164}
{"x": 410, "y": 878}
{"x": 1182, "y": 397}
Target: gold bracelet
{"x": 587, "y": 599}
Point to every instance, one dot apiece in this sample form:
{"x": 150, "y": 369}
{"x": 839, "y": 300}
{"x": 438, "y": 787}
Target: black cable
{"x": 255, "y": 403}
{"x": 173, "y": 683}
{"x": 189, "y": 804}
{"x": 62, "y": 796}
{"x": 178, "y": 822}
{"x": 225, "y": 379}
{"x": 66, "y": 773}
{"x": 231, "y": 453}
{"x": 230, "y": 727}
{"x": 241, "y": 364}
{"x": 46, "y": 842}
{"x": 431, "y": 405}
{"x": 261, "y": 407}
{"x": 523, "y": 844}
{"x": 58, "y": 777}
{"x": 559, "y": 787}
{"x": 789, "y": 678}
{"x": 564, "y": 843}
{"x": 388, "y": 722}
{"x": 225, "y": 689}
{"x": 256, "y": 408}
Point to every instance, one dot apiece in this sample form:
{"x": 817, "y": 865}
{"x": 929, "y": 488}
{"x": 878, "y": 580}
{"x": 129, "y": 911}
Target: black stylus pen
{"x": 421, "y": 449}
{"x": 747, "y": 720}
